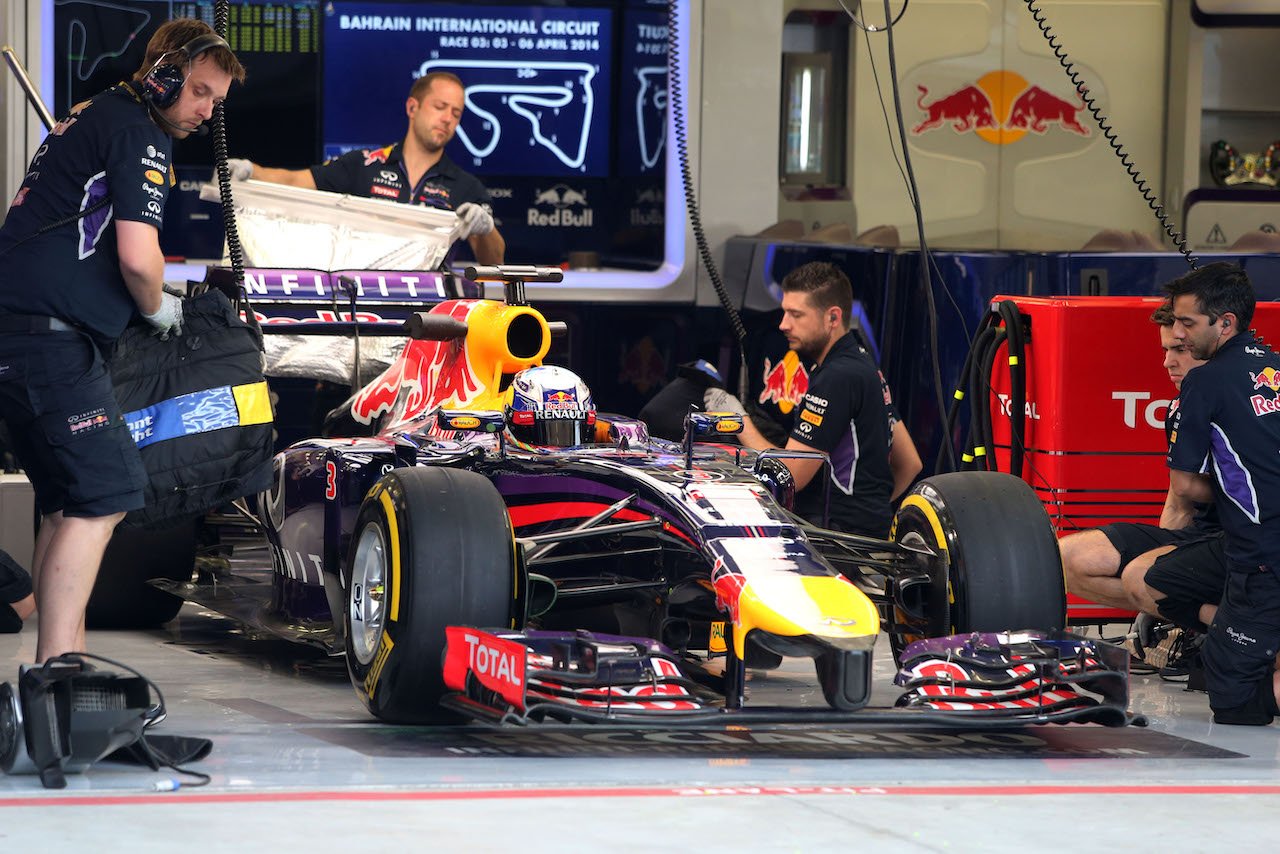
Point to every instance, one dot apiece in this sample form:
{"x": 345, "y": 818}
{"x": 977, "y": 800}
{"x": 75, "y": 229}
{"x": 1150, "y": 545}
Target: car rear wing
{"x": 319, "y": 302}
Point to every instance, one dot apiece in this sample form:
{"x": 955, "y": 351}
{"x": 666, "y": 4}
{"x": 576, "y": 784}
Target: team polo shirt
{"x": 844, "y": 413}
{"x": 1206, "y": 518}
{"x": 380, "y": 174}
{"x": 1228, "y": 425}
{"x": 106, "y": 148}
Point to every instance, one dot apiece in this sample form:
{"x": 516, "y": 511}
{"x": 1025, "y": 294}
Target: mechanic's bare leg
{"x": 48, "y": 527}
{"x": 66, "y": 572}
{"x": 1090, "y": 564}
{"x": 1142, "y": 597}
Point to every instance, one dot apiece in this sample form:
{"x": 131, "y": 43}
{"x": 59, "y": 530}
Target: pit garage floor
{"x": 298, "y": 763}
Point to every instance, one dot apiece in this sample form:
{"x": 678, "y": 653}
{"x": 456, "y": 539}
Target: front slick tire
{"x": 1004, "y": 570}
{"x": 432, "y": 547}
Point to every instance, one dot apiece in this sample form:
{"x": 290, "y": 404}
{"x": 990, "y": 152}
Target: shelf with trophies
{"x": 1223, "y": 147}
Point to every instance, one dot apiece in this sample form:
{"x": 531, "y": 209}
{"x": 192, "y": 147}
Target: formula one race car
{"x": 493, "y": 547}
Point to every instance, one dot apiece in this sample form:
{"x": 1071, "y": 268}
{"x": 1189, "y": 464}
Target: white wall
{"x": 736, "y": 170}
{"x": 20, "y": 130}
{"x": 1048, "y": 191}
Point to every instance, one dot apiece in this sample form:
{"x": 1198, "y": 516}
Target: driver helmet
{"x": 550, "y": 407}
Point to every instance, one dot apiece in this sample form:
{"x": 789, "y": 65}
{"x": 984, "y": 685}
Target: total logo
{"x": 1028, "y": 410}
{"x": 569, "y": 208}
{"x": 1001, "y": 107}
{"x": 1149, "y": 412}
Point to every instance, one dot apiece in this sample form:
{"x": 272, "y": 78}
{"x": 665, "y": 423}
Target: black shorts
{"x": 1191, "y": 575}
{"x": 1132, "y": 539}
{"x": 1239, "y": 653}
{"x": 66, "y": 428}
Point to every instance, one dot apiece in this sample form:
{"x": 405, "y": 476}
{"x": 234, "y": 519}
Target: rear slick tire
{"x": 432, "y": 547}
{"x": 121, "y": 597}
{"x": 1004, "y": 570}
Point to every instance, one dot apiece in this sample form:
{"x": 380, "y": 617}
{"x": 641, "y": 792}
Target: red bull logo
{"x": 378, "y": 155}
{"x": 559, "y": 400}
{"x": 427, "y": 373}
{"x": 1001, "y": 107}
{"x": 644, "y": 366}
{"x": 785, "y": 383}
{"x": 1268, "y": 377}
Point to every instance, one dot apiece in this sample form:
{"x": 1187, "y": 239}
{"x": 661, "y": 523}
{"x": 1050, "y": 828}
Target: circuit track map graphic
{"x": 93, "y": 35}
{"x": 569, "y": 88}
{"x": 651, "y": 113}
{"x": 538, "y": 82}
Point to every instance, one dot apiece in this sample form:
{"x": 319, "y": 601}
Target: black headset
{"x": 163, "y": 83}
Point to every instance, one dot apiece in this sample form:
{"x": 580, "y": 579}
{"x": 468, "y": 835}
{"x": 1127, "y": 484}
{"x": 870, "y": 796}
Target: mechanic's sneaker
{"x": 1186, "y": 659}
{"x": 1141, "y": 667}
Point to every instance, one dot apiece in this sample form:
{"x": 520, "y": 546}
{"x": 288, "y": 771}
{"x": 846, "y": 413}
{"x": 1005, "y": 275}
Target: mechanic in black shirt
{"x": 1175, "y": 570}
{"x": 415, "y": 171}
{"x": 79, "y": 257}
{"x": 843, "y": 413}
{"x": 1225, "y": 447}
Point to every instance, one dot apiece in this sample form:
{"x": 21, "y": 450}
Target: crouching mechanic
{"x": 1175, "y": 570}
{"x": 844, "y": 412}
{"x": 1225, "y": 447}
{"x": 415, "y": 171}
{"x": 79, "y": 258}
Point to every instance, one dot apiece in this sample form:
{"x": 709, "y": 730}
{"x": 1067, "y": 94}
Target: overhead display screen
{"x": 538, "y": 82}
{"x": 642, "y": 107}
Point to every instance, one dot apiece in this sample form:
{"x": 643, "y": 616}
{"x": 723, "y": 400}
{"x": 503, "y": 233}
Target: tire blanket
{"x": 198, "y": 407}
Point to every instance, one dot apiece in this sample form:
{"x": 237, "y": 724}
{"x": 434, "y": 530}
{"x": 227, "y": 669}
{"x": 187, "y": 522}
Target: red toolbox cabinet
{"x": 1096, "y": 397}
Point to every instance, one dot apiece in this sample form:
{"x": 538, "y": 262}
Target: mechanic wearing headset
{"x": 1225, "y": 447}
{"x": 79, "y": 257}
{"x": 845, "y": 412}
{"x": 414, "y": 171}
{"x": 1175, "y": 570}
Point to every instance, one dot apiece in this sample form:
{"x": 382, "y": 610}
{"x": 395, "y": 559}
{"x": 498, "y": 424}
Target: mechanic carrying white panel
{"x": 414, "y": 171}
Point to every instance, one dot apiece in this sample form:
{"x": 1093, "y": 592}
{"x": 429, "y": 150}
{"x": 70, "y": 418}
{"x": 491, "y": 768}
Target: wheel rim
{"x": 365, "y": 602}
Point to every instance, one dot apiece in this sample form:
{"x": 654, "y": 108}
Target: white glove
{"x": 475, "y": 220}
{"x": 241, "y": 170}
{"x": 168, "y": 317}
{"x": 719, "y": 400}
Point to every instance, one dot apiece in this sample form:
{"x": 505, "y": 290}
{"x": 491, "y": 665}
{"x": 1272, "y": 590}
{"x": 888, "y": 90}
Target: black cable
{"x": 961, "y": 392}
{"x": 676, "y": 100}
{"x": 925, "y": 280}
{"x": 1144, "y": 188}
{"x": 970, "y": 381}
{"x": 66, "y": 220}
{"x": 870, "y": 29}
{"x": 893, "y": 149}
{"x": 1012, "y": 318}
{"x": 984, "y": 392}
{"x": 221, "y": 15}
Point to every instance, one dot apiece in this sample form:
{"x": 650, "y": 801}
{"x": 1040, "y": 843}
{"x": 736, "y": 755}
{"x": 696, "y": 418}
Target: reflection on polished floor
{"x": 296, "y": 756}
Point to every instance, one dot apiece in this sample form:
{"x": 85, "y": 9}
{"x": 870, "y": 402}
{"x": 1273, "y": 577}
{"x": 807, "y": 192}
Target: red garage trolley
{"x": 1096, "y": 398}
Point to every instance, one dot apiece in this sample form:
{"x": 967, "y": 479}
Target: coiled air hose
{"x": 676, "y": 100}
